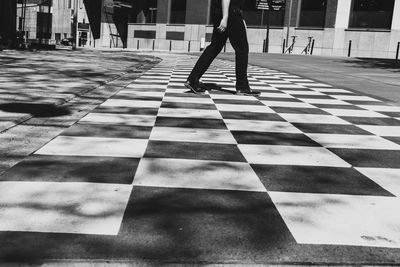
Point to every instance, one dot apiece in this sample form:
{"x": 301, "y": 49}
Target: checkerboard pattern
{"x": 305, "y": 163}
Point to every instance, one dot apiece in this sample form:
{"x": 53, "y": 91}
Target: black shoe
{"x": 247, "y": 91}
{"x": 195, "y": 87}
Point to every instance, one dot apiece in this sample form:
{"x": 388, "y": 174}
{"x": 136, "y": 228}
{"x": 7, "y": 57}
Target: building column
{"x": 396, "y": 16}
{"x": 343, "y": 14}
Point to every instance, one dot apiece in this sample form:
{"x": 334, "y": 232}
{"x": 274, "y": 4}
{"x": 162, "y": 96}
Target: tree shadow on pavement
{"x": 375, "y": 63}
{"x": 36, "y": 110}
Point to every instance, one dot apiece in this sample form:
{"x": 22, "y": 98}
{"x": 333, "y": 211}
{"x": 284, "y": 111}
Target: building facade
{"x": 51, "y": 21}
{"x": 361, "y": 28}
{"x": 7, "y": 22}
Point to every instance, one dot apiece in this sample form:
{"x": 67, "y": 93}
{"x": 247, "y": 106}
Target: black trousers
{"x": 236, "y": 32}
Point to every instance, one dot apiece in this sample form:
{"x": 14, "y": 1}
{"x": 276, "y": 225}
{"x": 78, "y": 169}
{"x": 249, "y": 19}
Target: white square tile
{"x": 354, "y": 141}
{"x": 188, "y": 100}
{"x": 291, "y": 155}
{"x": 192, "y": 135}
{"x": 198, "y": 174}
{"x": 381, "y": 108}
{"x": 283, "y": 86}
{"x": 324, "y": 101}
{"x": 324, "y": 219}
{"x": 275, "y": 95}
{"x": 332, "y": 90}
{"x": 231, "y": 97}
{"x": 390, "y": 131}
{"x": 77, "y": 208}
{"x": 261, "y": 126}
{"x": 119, "y": 119}
{"x": 312, "y": 118}
{"x": 355, "y": 98}
{"x": 303, "y": 92}
{"x": 387, "y": 178}
{"x": 287, "y": 104}
{"x": 354, "y": 113}
{"x": 244, "y": 108}
{"x": 131, "y": 103}
{"x": 314, "y": 84}
{"x": 189, "y": 113}
{"x": 95, "y": 146}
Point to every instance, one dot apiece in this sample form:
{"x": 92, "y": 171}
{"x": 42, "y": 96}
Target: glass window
{"x": 178, "y": 12}
{"x": 151, "y": 11}
{"x": 43, "y": 29}
{"x": 312, "y": 13}
{"x": 258, "y": 17}
{"x": 372, "y": 14}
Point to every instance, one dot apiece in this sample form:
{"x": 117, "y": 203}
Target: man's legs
{"x": 238, "y": 37}
{"x": 218, "y": 41}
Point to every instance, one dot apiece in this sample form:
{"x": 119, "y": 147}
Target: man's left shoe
{"x": 247, "y": 91}
{"x": 195, "y": 87}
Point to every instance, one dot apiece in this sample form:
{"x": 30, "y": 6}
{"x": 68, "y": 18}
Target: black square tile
{"x": 330, "y": 128}
{"x": 238, "y": 102}
{"x": 372, "y": 121}
{"x": 125, "y": 96}
{"x": 352, "y": 107}
{"x": 312, "y": 179}
{"x": 190, "y": 123}
{"x": 126, "y": 110}
{"x": 191, "y": 150}
{"x": 323, "y": 97}
{"x": 264, "y": 138}
{"x": 296, "y": 110}
{"x": 110, "y": 131}
{"x": 188, "y": 105}
{"x": 185, "y": 225}
{"x": 73, "y": 169}
{"x": 391, "y": 114}
{"x": 369, "y": 158}
{"x": 235, "y": 115}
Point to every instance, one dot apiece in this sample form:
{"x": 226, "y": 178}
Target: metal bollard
{"x": 189, "y": 47}
{"x": 170, "y": 45}
{"x": 398, "y": 51}
{"x": 283, "y": 46}
{"x": 154, "y": 44}
{"x": 138, "y": 44}
{"x": 312, "y": 46}
{"x": 349, "y": 52}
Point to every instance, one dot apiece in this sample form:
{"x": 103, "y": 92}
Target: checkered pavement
{"x": 305, "y": 163}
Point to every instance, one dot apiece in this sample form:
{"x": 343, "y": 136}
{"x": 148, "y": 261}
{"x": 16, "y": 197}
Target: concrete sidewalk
{"x": 43, "y": 92}
{"x": 374, "y": 77}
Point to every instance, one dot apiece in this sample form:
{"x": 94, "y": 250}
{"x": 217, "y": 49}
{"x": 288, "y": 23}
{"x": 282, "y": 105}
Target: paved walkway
{"x": 305, "y": 173}
{"x": 379, "y": 78}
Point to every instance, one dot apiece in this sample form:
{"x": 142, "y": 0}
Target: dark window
{"x": 257, "y": 17}
{"x": 178, "y": 12}
{"x": 151, "y": 12}
{"x": 312, "y": 13}
{"x": 372, "y": 14}
{"x": 44, "y": 24}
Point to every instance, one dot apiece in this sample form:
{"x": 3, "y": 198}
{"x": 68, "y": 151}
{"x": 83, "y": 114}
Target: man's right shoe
{"x": 195, "y": 87}
{"x": 247, "y": 91}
